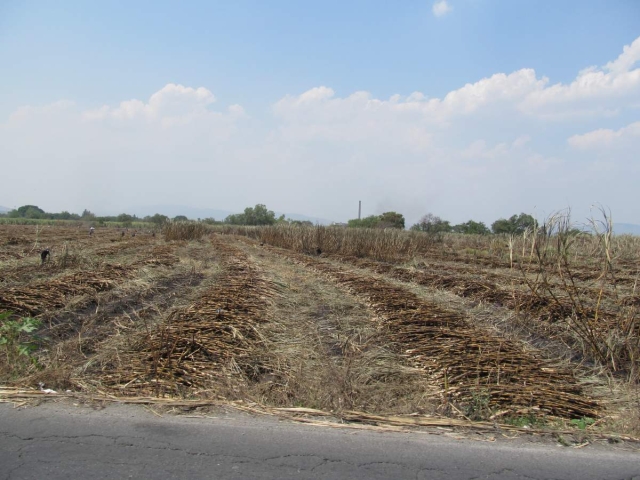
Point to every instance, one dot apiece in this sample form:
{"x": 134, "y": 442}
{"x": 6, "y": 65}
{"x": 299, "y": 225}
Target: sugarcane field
{"x": 538, "y": 332}
{"x": 362, "y": 240}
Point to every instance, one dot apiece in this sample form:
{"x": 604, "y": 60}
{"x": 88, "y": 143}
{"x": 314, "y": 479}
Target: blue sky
{"x": 259, "y": 59}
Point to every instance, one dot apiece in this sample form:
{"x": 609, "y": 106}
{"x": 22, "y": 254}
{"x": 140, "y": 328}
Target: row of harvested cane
{"x": 540, "y": 305}
{"x": 467, "y": 363}
{"x": 39, "y": 297}
{"x": 210, "y": 340}
{"x": 600, "y": 324}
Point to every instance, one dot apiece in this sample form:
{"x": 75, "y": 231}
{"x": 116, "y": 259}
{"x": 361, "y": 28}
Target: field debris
{"x": 25, "y": 397}
{"x": 34, "y": 299}
{"x": 210, "y": 339}
{"x": 472, "y": 367}
{"x": 480, "y": 290}
{"x": 373, "y": 329}
{"x": 39, "y": 297}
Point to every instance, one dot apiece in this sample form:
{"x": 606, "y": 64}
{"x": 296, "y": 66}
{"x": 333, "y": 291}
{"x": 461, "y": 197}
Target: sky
{"x": 467, "y": 109}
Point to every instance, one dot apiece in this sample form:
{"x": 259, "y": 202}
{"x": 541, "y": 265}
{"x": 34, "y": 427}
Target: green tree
{"x": 391, "y": 220}
{"x": 180, "y": 218}
{"x": 515, "y": 225}
{"x": 301, "y": 223}
{"x": 87, "y": 215}
{"x": 125, "y": 219}
{"x": 27, "y": 211}
{"x": 235, "y": 219}
{"x": 158, "y": 219}
{"x": 472, "y": 228}
{"x": 35, "y": 212}
{"x": 258, "y": 215}
{"x": 367, "y": 222}
{"x": 431, "y": 223}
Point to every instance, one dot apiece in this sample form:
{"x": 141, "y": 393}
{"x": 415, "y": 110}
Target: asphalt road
{"x": 64, "y": 442}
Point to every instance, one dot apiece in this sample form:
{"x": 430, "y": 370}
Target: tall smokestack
{"x": 359, "y": 208}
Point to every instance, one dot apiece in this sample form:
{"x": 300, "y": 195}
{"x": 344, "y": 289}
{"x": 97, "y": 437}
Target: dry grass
{"x": 327, "y": 352}
{"x": 387, "y": 244}
{"x": 382, "y": 322}
{"x": 466, "y": 363}
{"x": 580, "y": 289}
{"x": 196, "y": 347}
{"x": 573, "y": 296}
{"x": 184, "y": 231}
{"x": 595, "y": 305}
{"x": 82, "y": 303}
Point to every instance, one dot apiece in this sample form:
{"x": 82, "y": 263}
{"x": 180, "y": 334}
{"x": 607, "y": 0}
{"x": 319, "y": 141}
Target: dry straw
{"x": 184, "y": 231}
{"x": 581, "y": 282}
{"x": 203, "y": 343}
{"x": 470, "y": 365}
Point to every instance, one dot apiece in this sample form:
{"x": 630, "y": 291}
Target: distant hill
{"x": 4, "y": 209}
{"x": 626, "y": 228}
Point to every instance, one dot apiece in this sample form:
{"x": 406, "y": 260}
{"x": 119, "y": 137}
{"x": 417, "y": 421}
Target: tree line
{"x": 35, "y": 212}
{"x": 514, "y": 225}
{"x": 258, "y": 215}
{"x": 433, "y": 224}
{"x": 261, "y": 215}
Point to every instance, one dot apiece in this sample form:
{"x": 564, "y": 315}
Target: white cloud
{"x": 472, "y": 153}
{"x": 605, "y": 138}
{"x": 127, "y": 154}
{"x": 320, "y": 104}
{"x": 441, "y": 8}
{"x": 96, "y": 114}
{"x": 627, "y": 59}
{"x": 595, "y": 91}
{"x": 521, "y": 141}
{"x": 498, "y": 87}
{"x": 27, "y": 112}
{"x": 317, "y": 115}
{"x": 171, "y": 104}
{"x": 479, "y": 149}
